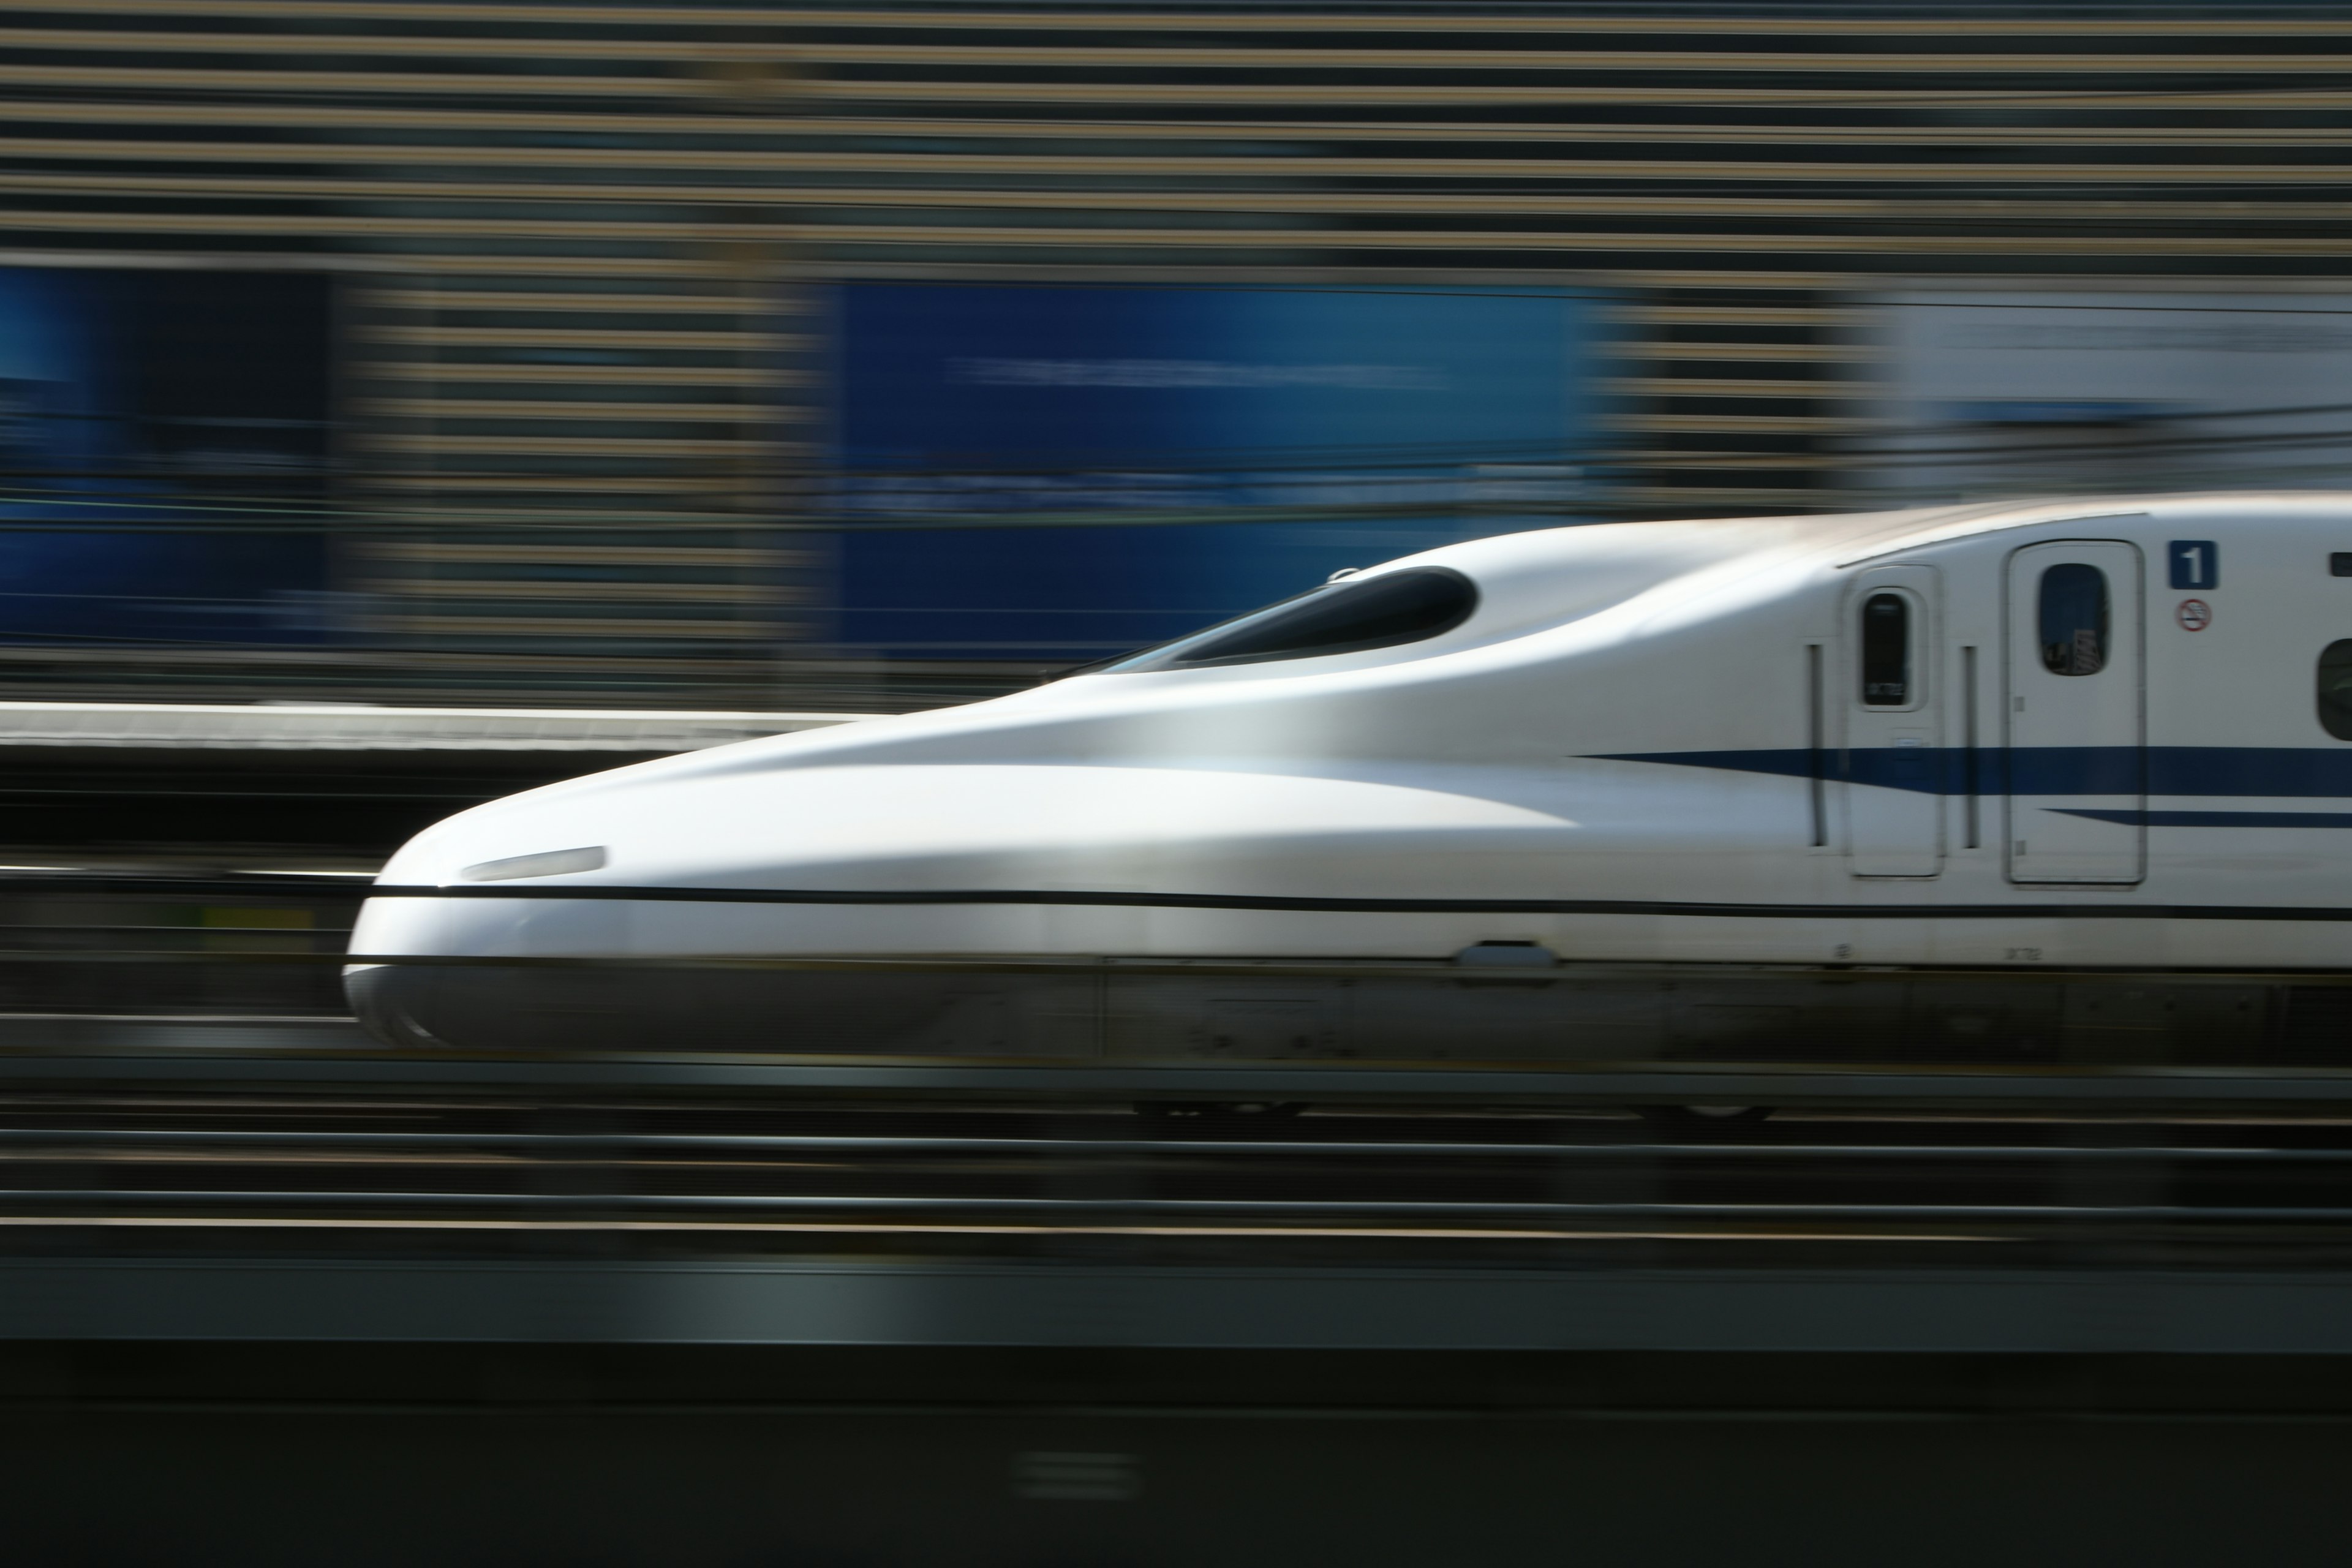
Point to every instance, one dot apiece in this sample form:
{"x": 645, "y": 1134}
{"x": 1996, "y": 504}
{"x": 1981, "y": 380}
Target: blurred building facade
{"x": 571, "y": 291}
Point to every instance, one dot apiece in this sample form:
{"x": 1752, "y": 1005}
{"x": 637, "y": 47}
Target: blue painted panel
{"x": 142, "y": 412}
{"x": 1065, "y": 472}
{"x": 2193, "y": 562}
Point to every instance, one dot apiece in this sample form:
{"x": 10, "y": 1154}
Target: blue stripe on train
{"x": 2212, "y": 818}
{"x": 2283, "y": 770}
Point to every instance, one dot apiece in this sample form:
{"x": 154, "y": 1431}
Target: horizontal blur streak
{"x": 343, "y": 366}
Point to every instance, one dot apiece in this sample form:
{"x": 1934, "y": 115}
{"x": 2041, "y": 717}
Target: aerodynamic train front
{"x": 2059, "y": 737}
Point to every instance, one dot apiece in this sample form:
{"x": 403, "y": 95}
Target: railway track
{"x": 778, "y": 1176}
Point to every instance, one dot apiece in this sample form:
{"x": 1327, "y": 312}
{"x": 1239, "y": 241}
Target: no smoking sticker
{"x": 2194, "y": 615}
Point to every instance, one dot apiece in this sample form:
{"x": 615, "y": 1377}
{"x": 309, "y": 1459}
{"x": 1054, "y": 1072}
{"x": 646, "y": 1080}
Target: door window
{"x": 2335, "y": 689}
{"x": 1886, "y": 651}
{"x": 2073, "y": 619}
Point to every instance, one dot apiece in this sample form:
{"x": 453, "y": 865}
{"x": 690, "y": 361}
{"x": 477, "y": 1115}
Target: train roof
{"x": 1634, "y": 555}
{"x": 1654, "y": 552}
{"x": 1864, "y": 536}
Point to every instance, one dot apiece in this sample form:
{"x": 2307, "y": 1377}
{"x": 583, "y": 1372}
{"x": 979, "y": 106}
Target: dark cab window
{"x": 2073, "y": 617}
{"x": 1886, "y": 651}
{"x": 2335, "y": 689}
{"x": 1347, "y": 616}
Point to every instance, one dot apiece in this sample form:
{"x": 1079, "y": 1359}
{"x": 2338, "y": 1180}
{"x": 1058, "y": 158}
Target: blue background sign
{"x": 1065, "y": 472}
{"x": 137, "y": 407}
{"x": 2193, "y": 562}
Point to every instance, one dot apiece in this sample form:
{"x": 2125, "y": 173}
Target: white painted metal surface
{"x": 1611, "y": 757}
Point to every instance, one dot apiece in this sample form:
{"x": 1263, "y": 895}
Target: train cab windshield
{"x": 1346, "y": 616}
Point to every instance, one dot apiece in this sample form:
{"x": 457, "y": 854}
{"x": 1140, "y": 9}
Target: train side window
{"x": 2073, "y": 619}
{"x": 2335, "y": 689}
{"x": 1886, "y": 651}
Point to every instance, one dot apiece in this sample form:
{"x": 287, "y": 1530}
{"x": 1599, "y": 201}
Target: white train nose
{"x": 430, "y": 902}
{"x": 669, "y": 867}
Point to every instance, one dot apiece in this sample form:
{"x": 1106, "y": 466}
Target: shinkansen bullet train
{"x": 2056, "y": 781}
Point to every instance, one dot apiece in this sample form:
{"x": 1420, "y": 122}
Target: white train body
{"x": 1909, "y": 739}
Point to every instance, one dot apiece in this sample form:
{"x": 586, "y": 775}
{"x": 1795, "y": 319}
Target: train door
{"x": 1891, "y": 763}
{"x": 2076, "y": 722}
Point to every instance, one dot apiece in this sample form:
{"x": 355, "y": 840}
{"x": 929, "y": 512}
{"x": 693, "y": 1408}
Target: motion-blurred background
{"x": 407, "y": 402}
{"x": 756, "y": 356}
